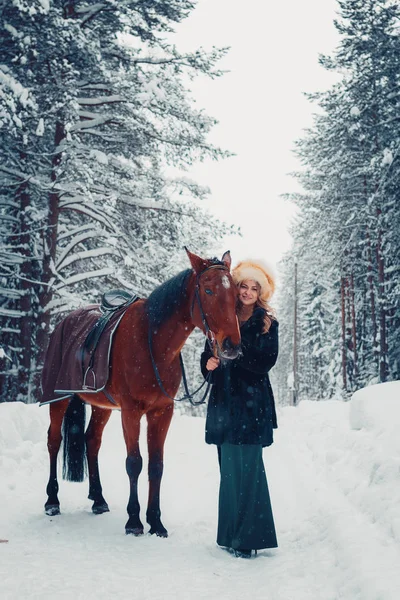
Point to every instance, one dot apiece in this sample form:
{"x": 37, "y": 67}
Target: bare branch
{"x": 88, "y": 254}
{"x": 83, "y": 276}
{"x": 91, "y": 212}
{"x": 100, "y": 100}
{"x": 101, "y": 120}
{"x": 91, "y": 11}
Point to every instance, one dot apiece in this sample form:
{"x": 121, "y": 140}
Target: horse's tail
{"x": 74, "y": 460}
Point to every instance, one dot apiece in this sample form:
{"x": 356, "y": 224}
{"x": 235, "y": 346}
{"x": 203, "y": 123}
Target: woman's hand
{"x": 212, "y": 363}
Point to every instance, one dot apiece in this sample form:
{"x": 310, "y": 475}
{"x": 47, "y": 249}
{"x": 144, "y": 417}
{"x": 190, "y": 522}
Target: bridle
{"x": 211, "y": 342}
{"x": 196, "y": 296}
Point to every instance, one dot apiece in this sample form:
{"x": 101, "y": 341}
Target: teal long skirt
{"x": 245, "y": 517}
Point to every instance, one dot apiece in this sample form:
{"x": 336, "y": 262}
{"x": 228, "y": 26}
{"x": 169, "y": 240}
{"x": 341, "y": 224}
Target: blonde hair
{"x": 269, "y": 311}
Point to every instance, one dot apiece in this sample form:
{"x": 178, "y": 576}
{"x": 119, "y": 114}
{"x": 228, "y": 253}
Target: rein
{"x": 211, "y": 342}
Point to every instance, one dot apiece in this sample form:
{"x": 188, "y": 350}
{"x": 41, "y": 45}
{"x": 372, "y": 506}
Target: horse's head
{"x": 214, "y": 304}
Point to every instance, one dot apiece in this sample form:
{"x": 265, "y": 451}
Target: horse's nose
{"x": 229, "y": 349}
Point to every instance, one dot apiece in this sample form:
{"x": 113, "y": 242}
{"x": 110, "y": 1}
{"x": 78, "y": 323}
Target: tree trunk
{"x": 343, "y": 298}
{"x": 372, "y": 297}
{"x": 26, "y": 324}
{"x": 68, "y": 8}
{"x": 383, "y": 361}
{"x": 353, "y": 326}
{"x": 49, "y": 255}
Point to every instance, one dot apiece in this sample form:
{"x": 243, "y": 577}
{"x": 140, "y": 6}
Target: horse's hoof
{"x": 52, "y": 509}
{"x": 159, "y": 532}
{"x": 134, "y": 526}
{"x": 134, "y": 531}
{"x": 99, "y": 509}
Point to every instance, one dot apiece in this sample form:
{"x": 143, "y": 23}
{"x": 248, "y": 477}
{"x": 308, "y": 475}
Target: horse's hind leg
{"x": 157, "y": 429}
{"x": 54, "y": 438}
{"x": 131, "y": 429}
{"x": 94, "y": 432}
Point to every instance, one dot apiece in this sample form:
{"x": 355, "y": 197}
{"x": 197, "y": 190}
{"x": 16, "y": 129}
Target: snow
{"x": 377, "y": 409}
{"x": 128, "y": 261}
{"x": 387, "y": 158}
{"x": 101, "y": 157}
{"x": 101, "y": 100}
{"x": 334, "y": 491}
{"x": 7, "y": 82}
{"x": 12, "y": 30}
{"x": 40, "y": 128}
{"x": 151, "y": 91}
{"x": 45, "y": 5}
{"x": 94, "y": 253}
{"x": 83, "y": 276}
{"x": 10, "y": 312}
{"x": 100, "y": 120}
{"x": 376, "y": 406}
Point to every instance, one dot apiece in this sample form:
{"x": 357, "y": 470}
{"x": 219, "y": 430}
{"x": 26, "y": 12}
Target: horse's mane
{"x": 169, "y": 296}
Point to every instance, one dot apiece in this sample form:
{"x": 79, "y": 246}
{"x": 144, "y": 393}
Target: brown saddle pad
{"x": 68, "y": 369}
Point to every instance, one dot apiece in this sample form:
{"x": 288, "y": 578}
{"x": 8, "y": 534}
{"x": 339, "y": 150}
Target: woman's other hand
{"x": 212, "y": 363}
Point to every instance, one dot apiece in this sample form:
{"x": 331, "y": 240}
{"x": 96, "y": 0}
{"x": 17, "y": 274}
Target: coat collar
{"x": 256, "y": 317}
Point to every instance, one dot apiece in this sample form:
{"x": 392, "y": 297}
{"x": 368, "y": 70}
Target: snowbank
{"x": 21, "y": 423}
{"x": 377, "y": 408}
{"x": 334, "y": 491}
{"x": 356, "y": 447}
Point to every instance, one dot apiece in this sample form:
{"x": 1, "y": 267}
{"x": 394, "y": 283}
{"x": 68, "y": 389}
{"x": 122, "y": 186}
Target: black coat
{"x": 241, "y": 408}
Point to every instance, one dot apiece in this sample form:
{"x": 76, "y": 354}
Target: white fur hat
{"x": 257, "y": 271}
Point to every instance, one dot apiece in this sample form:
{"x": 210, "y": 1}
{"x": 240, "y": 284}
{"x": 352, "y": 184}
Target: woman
{"x": 241, "y": 417}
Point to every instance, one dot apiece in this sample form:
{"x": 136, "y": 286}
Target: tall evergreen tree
{"x": 348, "y": 225}
{"x": 94, "y": 110}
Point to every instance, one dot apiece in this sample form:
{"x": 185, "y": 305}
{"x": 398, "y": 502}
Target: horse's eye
{"x": 209, "y": 292}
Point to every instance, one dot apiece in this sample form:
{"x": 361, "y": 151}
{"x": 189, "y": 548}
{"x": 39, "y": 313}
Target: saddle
{"x": 111, "y": 301}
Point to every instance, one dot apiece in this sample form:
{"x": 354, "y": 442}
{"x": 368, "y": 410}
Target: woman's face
{"x": 248, "y": 292}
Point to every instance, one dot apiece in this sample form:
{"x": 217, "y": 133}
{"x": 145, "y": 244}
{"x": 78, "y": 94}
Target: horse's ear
{"x": 226, "y": 259}
{"x": 198, "y": 263}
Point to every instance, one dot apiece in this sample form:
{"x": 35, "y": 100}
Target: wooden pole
{"x": 295, "y": 375}
{"x": 343, "y": 306}
{"x": 353, "y": 327}
{"x": 383, "y": 360}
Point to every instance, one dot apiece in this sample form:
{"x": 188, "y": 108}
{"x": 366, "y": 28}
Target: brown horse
{"x": 148, "y": 339}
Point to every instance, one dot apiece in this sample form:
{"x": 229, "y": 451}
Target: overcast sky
{"x": 260, "y": 107}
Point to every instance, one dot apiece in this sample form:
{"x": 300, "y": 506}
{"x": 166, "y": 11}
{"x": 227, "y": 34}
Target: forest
{"x": 340, "y": 305}
{"x": 97, "y": 130}
{"x": 98, "y": 127}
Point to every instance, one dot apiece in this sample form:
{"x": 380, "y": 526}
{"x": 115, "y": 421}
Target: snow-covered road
{"x": 335, "y": 498}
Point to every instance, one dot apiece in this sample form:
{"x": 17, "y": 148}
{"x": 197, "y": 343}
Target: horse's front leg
{"x": 157, "y": 429}
{"x": 98, "y": 421}
{"x": 54, "y": 438}
{"x": 131, "y": 429}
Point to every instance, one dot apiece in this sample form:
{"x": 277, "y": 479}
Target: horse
{"x": 144, "y": 377}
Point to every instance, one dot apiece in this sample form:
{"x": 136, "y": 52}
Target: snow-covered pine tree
{"x": 349, "y": 207}
{"x": 95, "y": 108}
